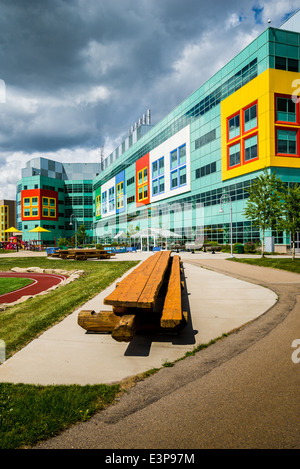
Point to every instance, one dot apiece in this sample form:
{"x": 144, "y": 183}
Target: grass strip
{"x": 29, "y": 413}
{"x": 278, "y": 263}
{"x": 21, "y": 323}
{"x": 9, "y": 284}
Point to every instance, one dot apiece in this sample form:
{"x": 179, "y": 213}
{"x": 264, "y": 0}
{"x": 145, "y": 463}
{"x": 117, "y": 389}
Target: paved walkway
{"x": 67, "y": 354}
{"x": 242, "y": 392}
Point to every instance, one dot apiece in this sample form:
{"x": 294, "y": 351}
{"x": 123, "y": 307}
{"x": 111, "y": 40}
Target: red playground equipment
{"x": 14, "y": 243}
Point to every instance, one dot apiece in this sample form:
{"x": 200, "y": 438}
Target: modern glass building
{"x": 243, "y": 119}
{"x": 52, "y": 195}
{"x": 172, "y": 175}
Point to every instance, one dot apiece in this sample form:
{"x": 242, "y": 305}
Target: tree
{"x": 265, "y": 205}
{"x": 291, "y": 212}
{"x": 62, "y": 241}
{"x": 81, "y": 233}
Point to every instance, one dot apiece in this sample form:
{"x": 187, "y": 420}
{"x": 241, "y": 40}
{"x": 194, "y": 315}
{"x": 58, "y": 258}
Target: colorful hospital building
{"x": 172, "y": 175}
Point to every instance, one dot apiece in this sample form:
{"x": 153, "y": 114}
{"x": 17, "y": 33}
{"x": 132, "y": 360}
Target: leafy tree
{"x": 62, "y": 241}
{"x": 265, "y": 205}
{"x": 291, "y": 212}
{"x": 81, "y": 233}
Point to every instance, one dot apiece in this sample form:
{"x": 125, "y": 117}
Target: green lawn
{"x": 22, "y": 323}
{"x": 30, "y": 413}
{"x": 9, "y": 284}
{"x": 275, "y": 263}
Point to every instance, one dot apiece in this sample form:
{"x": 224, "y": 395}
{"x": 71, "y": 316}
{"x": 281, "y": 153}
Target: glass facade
{"x": 48, "y": 195}
{"x": 197, "y": 162}
{"x": 172, "y": 175}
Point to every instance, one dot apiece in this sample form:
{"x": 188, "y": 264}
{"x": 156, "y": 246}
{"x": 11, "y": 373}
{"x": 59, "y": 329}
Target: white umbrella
{"x": 167, "y": 233}
{"x": 154, "y": 232}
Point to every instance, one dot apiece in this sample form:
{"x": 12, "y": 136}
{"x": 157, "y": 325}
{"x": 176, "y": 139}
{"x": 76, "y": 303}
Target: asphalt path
{"x": 241, "y": 392}
{"x": 41, "y": 282}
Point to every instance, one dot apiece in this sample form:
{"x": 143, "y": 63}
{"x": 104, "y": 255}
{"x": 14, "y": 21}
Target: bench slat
{"x": 151, "y": 290}
{"x": 172, "y": 312}
{"x": 130, "y": 286}
{"x": 130, "y": 289}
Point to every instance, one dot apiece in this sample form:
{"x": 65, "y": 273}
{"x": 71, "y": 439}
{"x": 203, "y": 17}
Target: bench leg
{"x": 104, "y": 321}
{"x": 125, "y": 329}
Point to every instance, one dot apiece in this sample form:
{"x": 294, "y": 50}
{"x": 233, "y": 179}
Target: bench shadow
{"x": 140, "y": 346}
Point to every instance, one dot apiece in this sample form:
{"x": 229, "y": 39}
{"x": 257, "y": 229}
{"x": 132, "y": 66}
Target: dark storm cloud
{"x": 79, "y": 73}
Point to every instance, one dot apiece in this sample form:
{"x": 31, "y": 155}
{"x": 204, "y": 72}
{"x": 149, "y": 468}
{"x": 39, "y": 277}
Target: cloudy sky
{"x": 75, "y": 75}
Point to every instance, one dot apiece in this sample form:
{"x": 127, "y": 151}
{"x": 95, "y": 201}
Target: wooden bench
{"x": 141, "y": 287}
{"x": 134, "y": 301}
{"x": 82, "y": 254}
{"x": 172, "y": 314}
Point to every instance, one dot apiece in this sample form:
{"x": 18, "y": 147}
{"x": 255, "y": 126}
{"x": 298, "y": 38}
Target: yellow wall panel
{"x": 261, "y": 89}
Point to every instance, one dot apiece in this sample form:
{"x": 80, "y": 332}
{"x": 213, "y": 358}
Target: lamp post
{"x": 222, "y": 211}
{"x": 71, "y": 224}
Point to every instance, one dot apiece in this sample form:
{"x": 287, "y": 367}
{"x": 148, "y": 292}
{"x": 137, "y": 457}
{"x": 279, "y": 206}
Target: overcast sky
{"x": 79, "y": 73}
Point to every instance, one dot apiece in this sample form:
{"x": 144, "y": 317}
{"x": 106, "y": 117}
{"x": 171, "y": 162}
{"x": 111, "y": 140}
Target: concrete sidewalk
{"x": 67, "y": 354}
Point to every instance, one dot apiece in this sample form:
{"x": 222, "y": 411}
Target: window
{"x": 49, "y": 207}
{"x": 243, "y": 76}
{"x": 120, "y": 195}
{"x": 206, "y": 170}
{"x": 242, "y": 138}
{"x": 174, "y": 159}
{"x": 250, "y": 148}
{"x": 178, "y": 167}
{"x": 283, "y": 63}
{"x": 234, "y": 155}
{"x": 250, "y": 118}
{"x": 207, "y": 138}
{"x": 234, "y": 127}
{"x": 182, "y": 155}
{"x": 30, "y": 207}
{"x": 286, "y": 142}
{"x": 143, "y": 192}
{"x": 182, "y": 176}
{"x": 285, "y": 109}
{"x": 143, "y": 184}
{"x": 130, "y": 199}
{"x": 111, "y": 199}
{"x": 130, "y": 181}
{"x": 104, "y": 202}
{"x": 174, "y": 180}
{"x": 158, "y": 178}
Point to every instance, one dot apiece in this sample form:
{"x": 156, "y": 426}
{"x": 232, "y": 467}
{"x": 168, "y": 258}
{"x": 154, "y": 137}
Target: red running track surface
{"x": 41, "y": 282}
